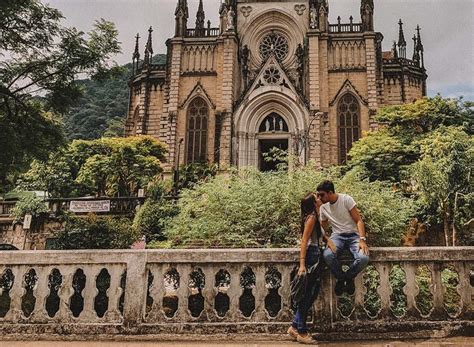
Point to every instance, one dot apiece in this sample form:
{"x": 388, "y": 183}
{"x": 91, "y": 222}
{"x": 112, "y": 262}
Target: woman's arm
{"x": 308, "y": 229}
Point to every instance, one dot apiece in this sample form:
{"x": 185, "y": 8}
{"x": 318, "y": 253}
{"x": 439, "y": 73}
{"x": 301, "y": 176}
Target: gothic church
{"x": 275, "y": 73}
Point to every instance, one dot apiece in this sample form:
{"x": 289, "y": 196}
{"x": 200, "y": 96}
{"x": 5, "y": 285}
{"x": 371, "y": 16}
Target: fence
{"x": 404, "y": 293}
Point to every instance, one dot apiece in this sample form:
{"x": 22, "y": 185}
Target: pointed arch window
{"x": 348, "y": 113}
{"x": 135, "y": 119}
{"x": 196, "y": 132}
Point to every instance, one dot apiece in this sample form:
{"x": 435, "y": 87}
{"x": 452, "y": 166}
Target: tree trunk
{"x": 446, "y": 224}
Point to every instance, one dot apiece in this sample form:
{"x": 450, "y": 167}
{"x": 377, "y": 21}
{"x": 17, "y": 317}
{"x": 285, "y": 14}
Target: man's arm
{"x": 360, "y": 228}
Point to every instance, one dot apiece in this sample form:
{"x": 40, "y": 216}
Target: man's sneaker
{"x": 293, "y": 333}
{"x": 340, "y": 287}
{"x": 307, "y": 339}
{"x": 350, "y": 286}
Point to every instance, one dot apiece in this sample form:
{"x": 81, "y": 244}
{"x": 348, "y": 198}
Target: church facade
{"x": 273, "y": 74}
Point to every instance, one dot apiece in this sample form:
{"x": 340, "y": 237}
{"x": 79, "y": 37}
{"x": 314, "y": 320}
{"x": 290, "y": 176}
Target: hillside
{"x": 103, "y": 106}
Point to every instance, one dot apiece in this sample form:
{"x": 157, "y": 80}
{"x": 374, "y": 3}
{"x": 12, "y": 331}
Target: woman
{"x": 309, "y": 266}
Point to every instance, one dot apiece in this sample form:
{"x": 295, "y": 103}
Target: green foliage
{"x": 385, "y": 154}
{"x": 53, "y": 176}
{"x": 444, "y": 172}
{"x": 112, "y": 166}
{"x": 191, "y": 174}
{"x": 96, "y": 232}
{"x": 277, "y": 157}
{"x": 103, "y": 107}
{"x": 41, "y": 57}
{"x": 251, "y": 208}
{"x": 153, "y": 217}
{"x": 30, "y": 204}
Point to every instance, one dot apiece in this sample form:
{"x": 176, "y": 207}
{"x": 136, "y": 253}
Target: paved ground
{"x": 457, "y": 342}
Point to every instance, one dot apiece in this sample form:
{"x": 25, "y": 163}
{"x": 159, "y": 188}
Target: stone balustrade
{"x": 405, "y": 292}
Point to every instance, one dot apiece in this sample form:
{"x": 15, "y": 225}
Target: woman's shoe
{"x": 293, "y": 333}
{"x": 307, "y": 339}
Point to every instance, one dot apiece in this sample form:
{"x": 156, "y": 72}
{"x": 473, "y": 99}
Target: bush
{"x": 153, "y": 217}
{"x": 251, "y": 208}
{"x": 30, "y": 204}
{"x": 96, "y": 232}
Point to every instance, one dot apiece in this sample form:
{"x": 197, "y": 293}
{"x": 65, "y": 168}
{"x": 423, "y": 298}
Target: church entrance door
{"x": 270, "y": 152}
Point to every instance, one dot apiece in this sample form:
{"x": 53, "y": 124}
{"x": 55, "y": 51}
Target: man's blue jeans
{"x": 311, "y": 292}
{"x": 342, "y": 242}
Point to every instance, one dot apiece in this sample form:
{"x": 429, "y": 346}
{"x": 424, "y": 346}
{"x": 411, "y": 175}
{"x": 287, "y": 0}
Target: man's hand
{"x": 363, "y": 246}
{"x": 332, "y": 246}
{"x": 301, "y": 270}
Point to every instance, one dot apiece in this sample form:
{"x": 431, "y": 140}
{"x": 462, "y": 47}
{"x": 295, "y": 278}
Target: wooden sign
{"x": 83, "y": 206}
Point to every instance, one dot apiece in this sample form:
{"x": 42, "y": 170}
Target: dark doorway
{"x": 265, "y": 146}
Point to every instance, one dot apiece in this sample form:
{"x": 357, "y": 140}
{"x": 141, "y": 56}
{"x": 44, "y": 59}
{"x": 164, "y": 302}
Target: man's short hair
{"x": 326, "y": 186}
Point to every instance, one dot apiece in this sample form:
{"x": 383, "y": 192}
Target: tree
{"x": 41, "y": 60}
{"x": 386, "y": 153}
{"x": 108, "y": 166}
{"x": 442, "y": 177}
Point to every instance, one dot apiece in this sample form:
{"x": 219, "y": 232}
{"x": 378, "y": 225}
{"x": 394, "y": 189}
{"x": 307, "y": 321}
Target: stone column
{"x": 371, "y": 63}
{"x": 170, "y": 111}
{"x": 229, "y": 89}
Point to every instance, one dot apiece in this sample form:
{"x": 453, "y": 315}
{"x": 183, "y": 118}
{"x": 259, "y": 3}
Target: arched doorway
{"x": 273, "y": 137}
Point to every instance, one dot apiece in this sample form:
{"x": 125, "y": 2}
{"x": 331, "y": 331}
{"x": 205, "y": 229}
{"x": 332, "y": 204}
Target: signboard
{"x": 141, "y": 193}
{"x": 82, "y": 206}
{"x": 27, "y": 221}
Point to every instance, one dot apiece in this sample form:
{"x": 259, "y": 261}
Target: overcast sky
{"x": 447, "y": 30}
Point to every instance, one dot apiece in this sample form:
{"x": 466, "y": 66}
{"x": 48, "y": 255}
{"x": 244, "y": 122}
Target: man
{"x": 348, "y": 232}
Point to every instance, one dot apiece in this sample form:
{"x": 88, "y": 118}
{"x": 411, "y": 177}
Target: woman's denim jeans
{"x": 311, "y": 292}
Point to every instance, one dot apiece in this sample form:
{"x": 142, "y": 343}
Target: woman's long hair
{"x": 308, "y": 206}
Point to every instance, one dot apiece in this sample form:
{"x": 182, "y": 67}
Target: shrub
{"x": 96, "y": 232}
{"x": 153, "y": 217}
{"x": 29, "y": 204}
{"x": 251, "y": 208}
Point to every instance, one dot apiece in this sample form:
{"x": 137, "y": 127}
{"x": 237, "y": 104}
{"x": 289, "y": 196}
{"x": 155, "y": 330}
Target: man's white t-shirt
{"x": 338, "y": 214}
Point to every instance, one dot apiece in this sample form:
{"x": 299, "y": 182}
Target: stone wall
{"x": 115, "y": 294}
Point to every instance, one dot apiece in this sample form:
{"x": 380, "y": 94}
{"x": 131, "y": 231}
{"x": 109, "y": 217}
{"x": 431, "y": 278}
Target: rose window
{"x": 272, "y": 75}
{"x": 276, "y": 44}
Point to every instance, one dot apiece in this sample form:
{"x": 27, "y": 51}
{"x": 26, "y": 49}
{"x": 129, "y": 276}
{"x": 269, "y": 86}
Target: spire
{"x": 367, "y": 14}
{"x": 394, "y": 50}
{"x": 419, "y": 46}
{"x": 416, "y": 56}
{"x": 402, "y": 44}
{"x": 136, "y": 55}
{"x": 181, "y": 17}
{"x": 148, "y": 49}
{"x": 200, "y": 16}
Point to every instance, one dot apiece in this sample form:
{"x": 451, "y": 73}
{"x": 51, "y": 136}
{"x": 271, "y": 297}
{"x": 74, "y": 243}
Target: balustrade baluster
{"x": 464, "y": 290}
{"x": 209, "y": 291}
{"x": 113, "y": 293}
{"x": 157, "y": 292}
{"x": 88, "y": 314}
{"x": 438, "y": 291}
{"x": 410, "y": 289}
{"x": 16, "y": 293}
{"x": 285, "y": 293}
{"x": 183, "y": 292}
{"x": 65, "y": 292}
{"x": 259, "y": 292}
{"x": 41, "y": 292}
{"x": 384, "y": 289}
{"x": 234, "y": 292}
{"x": 326, "y": 303}
{"x": 360, "y": 291}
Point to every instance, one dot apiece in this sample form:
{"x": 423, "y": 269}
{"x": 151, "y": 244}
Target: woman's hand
{"x": 332, "y": 246}
{"x": 301, "y": 270}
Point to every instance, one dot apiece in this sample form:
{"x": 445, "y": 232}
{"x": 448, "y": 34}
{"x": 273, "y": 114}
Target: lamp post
{"x": 176, "y": 169}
